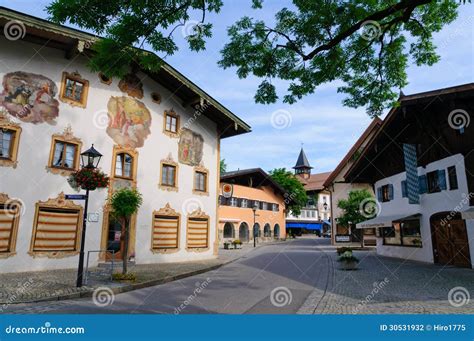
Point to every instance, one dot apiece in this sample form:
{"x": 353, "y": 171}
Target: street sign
{"x": 343, "y": 238}
{"x": 227, "y": 190}
{"x": 75, "y": 197}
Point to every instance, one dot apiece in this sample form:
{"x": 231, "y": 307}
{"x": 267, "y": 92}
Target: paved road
{"x": 299, "y": 276}
{"x": 291, "y": 270}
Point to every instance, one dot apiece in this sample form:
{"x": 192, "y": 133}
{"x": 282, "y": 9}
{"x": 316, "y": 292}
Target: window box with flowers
{"x": 88, "y": 178}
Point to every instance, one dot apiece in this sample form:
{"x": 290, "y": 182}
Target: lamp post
{"x": 254, "y": 209}
{"x": 89, "y": 159}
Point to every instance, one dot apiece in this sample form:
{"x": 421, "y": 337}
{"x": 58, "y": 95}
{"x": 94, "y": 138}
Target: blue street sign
{"x": 75, "y": 196}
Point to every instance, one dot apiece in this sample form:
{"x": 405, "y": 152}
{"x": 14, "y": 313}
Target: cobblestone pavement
{"x": 43, "y": 285}
{"x": 383, "y": 285}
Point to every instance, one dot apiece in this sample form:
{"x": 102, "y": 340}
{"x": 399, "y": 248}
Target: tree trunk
{"x": 125, "y": 246}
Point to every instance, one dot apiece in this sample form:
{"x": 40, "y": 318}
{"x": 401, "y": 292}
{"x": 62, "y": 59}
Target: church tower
{"x": 302, "y": 167}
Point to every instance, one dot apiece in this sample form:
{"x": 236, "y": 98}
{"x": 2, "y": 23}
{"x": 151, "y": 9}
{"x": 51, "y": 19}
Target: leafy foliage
{"x": 125, "y": 23}
{"x": 296, "y": 197}
{"x": 223, "y": 166}
{"x": 125, "y": 202}
{"x": 352, "y": 207}
{"x": 88, "y": 178}
{"x": 366, "y": 44}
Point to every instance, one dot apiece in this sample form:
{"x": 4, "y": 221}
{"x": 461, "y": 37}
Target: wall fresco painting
{"x": 30, "y": 97}
{"x": 190, "y": 147}
{"x": 129, "y": 121}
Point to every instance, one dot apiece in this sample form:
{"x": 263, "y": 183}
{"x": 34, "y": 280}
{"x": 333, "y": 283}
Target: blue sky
{"x": 326, "y": 128}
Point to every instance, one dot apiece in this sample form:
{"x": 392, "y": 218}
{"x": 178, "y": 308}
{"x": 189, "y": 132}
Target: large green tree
{"x": 366, "y": 44}
{"x": 359, "y": 206}
{"x": 296, "y": 197}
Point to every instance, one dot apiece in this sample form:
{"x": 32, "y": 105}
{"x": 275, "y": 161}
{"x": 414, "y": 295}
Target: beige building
{"x": 339, "y": 188}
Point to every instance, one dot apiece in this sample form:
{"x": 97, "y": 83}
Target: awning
{"x": 468, "y": 214}
{"x": 385, "y": 221}
{"x": 302, "y": 225}
{"x": 327, "y": 222}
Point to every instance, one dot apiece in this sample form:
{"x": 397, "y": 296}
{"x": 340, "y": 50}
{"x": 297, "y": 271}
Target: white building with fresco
{"x": 157, "y": 131}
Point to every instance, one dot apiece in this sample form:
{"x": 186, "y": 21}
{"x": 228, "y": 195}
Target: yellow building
{"x": 251, "y": 198}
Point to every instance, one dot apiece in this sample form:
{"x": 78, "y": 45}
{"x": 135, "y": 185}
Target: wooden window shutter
{"x": 56, "y": 230}
{"x": 379, "y": 194}
{"x": 423, "y": 181}
{"x": 165, "y": 232}
{"x": 404, "y": 189}
{"x": 198, "y": 232}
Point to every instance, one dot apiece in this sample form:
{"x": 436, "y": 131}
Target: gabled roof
{"x": 422, "y": 98}
{"x": 315, "y": 182}
{"x": 259, "y": 178}
{"x": 302, "y": 161}
{"x": 374, "y": 126}
{"x": 73, "y": 41}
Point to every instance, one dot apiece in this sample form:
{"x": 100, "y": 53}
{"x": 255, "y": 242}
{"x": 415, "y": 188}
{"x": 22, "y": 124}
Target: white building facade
{"x": 158, "y": 137}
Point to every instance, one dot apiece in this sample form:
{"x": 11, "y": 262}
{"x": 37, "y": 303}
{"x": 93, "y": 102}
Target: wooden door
{"x": 450, "y": 243}
{"x": 115, "y": 240}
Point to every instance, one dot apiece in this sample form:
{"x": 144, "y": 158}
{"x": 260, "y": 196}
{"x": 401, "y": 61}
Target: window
{"x": 124, "y": 166}
{"x": 57, "y": 227}
{"x": 200, "y": 181}
{"x": 64, "y": 153}
{"x": 433, "y": 182}
{"x": 244, "y": 203}
{"x": 233, "y": 202}
{"x": 264, "y": 206}
{"x": 453, "y": 179}
{"x": 385, "y": 193}
{"x": 403, "y": 233}
{"x": 165, "y": 229}
{"x": 171, "y": 126}
{"x": 276, "y": 207}
{"x": 9, "y": 141}
{"x": 10, "y": 212}
{"x": 74, "y": 89}
{"x": 198, "y": 231}
{"x": 168, "y": 175}
{"x": 6, "y": 143}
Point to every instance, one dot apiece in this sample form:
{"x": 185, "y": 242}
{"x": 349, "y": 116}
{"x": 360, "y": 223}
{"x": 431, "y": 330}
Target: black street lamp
{"x": 254, "y": 209}
{"x": 325, "y": 206}
{"x": 89, "y": 159}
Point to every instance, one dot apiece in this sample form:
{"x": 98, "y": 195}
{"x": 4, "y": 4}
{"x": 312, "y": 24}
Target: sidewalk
{"x": 25, "y": 287}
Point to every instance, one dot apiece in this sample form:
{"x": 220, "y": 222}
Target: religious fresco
{"x": 129, "y": 121}
{"x": 132, "y": 85}
{"x": 30, "y": 97}
{"x": 190, "y": 147}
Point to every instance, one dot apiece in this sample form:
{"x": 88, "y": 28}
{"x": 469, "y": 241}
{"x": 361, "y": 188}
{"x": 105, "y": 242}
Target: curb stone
{"x": 130, "y": 287}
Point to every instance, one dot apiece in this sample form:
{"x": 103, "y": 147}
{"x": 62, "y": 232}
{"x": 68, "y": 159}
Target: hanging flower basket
{"x": 88, "y": 178}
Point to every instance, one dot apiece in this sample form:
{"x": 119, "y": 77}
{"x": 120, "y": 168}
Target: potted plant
{"x": 348, "y": 261}
{"x": 342, "y": 249}
{"x": 88, "y": 178}
{"x": 236, "y": 242}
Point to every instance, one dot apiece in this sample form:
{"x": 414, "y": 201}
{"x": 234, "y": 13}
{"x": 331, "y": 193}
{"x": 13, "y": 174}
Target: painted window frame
{"x": 67, "y": 138}
{"x": 75, "y": 77}
{"x": 172, "y": 114}
{"x": 204, "y": 171}
{"x": 5, "y": 200}
{"x": 59, "y": 203}
{"x": 166, "y": 211}
{"x": 122, "y": 155}
{"x": 8, "y": 125}
{"x": 199, "y": 216}
{"x": 169, "y": 163}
